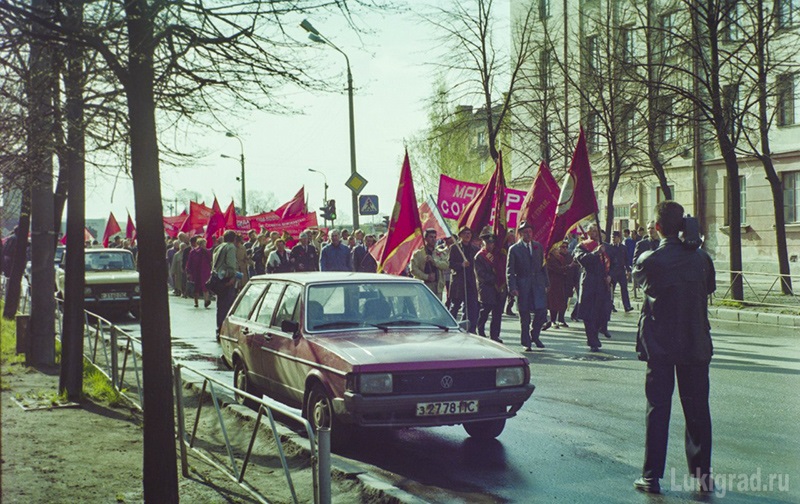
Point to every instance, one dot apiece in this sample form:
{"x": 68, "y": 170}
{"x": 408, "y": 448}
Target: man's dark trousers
{"x": 693, "y": 389}
{"x": 622, "y": 280}
{"x": 531, "y": 333}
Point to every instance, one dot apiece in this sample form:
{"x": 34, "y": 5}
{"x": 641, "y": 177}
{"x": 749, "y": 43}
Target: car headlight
{"x": 375, "y": 383}
{"x": 136, "y": 289}
{"x": 87, "y": 291}
{"x": 509, "y": 376}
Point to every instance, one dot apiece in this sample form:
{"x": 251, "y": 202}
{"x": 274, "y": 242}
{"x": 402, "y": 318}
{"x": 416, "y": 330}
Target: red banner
{"x": 172, "y": 225}
{"x": 454, "y": 195}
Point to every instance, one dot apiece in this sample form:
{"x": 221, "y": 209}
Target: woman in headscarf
{"x": 199, "y": 270}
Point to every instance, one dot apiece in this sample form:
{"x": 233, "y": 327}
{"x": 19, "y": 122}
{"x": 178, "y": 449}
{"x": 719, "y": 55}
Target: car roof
{"x": 314, "y": 277}
{"x": 106, "y": 250}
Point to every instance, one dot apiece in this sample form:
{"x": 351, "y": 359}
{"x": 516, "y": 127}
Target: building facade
{"x": 637, "y": 76}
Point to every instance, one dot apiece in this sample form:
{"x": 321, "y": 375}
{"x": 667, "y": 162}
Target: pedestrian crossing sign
{"x": 368, "y": 204}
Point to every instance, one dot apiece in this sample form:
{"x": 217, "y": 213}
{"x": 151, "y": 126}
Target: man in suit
{"x": 647, "y": 243}
{"x": 463, "y": 287}
{"x": 619, "y": 270}
{"x": 528, "y": 281}
{"x": 674, "y": 339}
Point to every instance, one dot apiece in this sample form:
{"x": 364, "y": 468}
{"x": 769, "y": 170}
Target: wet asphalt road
{"x": 580, "y": 436}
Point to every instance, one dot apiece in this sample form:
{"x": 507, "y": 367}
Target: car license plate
{"x": 447, "y": 408}
{"x": 114, "y": 295}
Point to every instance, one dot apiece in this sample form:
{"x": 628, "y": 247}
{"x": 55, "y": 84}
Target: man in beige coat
{"x": 429, "y": 264}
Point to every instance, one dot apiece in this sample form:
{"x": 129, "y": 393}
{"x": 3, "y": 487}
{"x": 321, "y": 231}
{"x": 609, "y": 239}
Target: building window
{"x": 481, "y": 139}
{"x": 628, "y": 36}
{"x": 791, "y": 197}
{"x": 622, "y": 211}
{"x": 544, "y": 141}
{"x": 544, "y": 9}
{"x": 788, "y": 91}
{"x": 742, "y": 201}
{"x": 593, "y": 52}
{"x": 788, "y": 13}
{"x": 544, "y": 68}
{"x": 593, "y": 132}
{"x": 667, "y": 37}
{"x": 731, "y": 109}
{"x": 660, "y": 193}
{"x": 665, "y": 125}
{"x": 629, "y": 127}
{"x": 731, "y": 19}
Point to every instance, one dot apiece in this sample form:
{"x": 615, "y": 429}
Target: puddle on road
{"x": 593, "y": 357}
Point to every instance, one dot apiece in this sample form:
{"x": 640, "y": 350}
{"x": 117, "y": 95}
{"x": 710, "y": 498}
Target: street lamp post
{"x": 241, "y": 161}
{"x": 325, "y": 196}
{"x": 316, "y": 36}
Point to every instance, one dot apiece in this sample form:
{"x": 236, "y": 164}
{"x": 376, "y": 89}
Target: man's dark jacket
{"x": 673, "y": 326}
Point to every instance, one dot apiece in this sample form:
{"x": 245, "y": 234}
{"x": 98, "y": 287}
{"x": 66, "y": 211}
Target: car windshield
{"x": 348, "y": 306}
{"x": 109, "y": 261}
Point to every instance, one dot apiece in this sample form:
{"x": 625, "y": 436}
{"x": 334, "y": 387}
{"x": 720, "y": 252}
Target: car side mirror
{"x": 290, "y": 326}
{"x": 464, "y": 324}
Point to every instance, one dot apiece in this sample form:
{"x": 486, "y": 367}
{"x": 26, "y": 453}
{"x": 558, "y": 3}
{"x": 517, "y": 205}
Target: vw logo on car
{"x": 447, "y": 381}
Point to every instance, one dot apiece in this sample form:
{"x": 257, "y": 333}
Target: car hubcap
{"x": 321, "y": 413}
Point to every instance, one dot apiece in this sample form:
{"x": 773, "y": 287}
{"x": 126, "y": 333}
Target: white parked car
{"x": 112, "y": 282}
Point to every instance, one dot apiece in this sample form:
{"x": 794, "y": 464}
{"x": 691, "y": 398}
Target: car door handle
{"x": 246, "y": 331}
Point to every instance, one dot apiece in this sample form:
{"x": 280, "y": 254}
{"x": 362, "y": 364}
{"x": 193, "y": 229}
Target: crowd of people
{"x": 478, "y": 281}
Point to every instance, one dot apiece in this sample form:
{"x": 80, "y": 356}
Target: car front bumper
{"x": 400, "y": 411}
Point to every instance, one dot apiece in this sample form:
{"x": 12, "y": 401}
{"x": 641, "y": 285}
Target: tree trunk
{"x": 19, "y": 258}
{"x": 160, "y": 464}
{"x": 765, "y": 155}
{"x": 71, "y": 379}
{"x": 40, "y": 155}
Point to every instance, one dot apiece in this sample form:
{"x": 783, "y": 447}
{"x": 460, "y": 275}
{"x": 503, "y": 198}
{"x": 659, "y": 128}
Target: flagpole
{"x": 466, "y": 293}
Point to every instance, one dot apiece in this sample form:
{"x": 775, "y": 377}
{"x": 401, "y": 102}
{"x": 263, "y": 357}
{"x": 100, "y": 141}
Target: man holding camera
{"x": 674, "y": 338}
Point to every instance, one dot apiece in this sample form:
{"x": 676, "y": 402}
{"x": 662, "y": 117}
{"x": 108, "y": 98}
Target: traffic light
{"x": 332, "y": 209}
{"x": 328, "y": 212}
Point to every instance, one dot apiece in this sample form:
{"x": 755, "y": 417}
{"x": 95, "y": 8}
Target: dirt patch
{"x": 93, "y": 452}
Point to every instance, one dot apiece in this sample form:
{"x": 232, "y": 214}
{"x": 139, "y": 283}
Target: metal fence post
{"x": 114, "y": 358}
{"x": 181, "y": 419}
{"x": 324, "y": 458}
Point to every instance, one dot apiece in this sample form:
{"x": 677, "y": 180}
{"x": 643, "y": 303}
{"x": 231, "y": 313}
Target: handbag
{"x": 215, "y": 284}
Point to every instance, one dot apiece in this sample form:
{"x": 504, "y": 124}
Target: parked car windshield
{"x": 109, "y": 261}
{"x": 381, "y": 304}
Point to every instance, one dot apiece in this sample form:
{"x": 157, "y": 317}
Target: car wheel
{"x": 242, "y": 382}
{"x": 486, "y": 429}
{"x": 319, "y": 412}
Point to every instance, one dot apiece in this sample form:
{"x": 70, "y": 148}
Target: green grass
{"x": 95, "y": 385}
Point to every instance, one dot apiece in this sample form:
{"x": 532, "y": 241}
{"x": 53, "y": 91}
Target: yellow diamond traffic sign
{"x": 356, "y": 183}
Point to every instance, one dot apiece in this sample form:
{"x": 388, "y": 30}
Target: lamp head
{"x": 316, "y": 38}
{"x": 229, "y": 134}
{"x": 307, "y": 26}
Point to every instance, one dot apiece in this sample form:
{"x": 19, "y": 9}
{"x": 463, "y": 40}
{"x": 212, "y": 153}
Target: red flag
{"x": 478, "y": 213}
{"x": 215, "y": 224}
{"x": 130, "y": 229}
{"x": 397, "y": 263}
{"x": 577, "y": 200}
{"x": 404, "y": 226}
{"x": 539, "y": 205}
{"x": 499, "y": 227}
{"x": 294, "y": 207}
{"x": 172, "y": 225}
{"x": 230, "y": 217}
{"x": 112, "y": 228}
{"x": 87, "y": 236}
{"x": 199, "y": 214}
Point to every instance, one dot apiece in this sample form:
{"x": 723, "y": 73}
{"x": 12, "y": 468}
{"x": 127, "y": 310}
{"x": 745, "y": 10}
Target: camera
{"x": 691, "y": 232}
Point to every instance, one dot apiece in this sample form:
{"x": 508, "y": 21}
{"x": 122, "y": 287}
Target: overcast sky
{"x": 393, "y": 78}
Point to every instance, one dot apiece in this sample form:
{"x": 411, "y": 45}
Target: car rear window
{"x": 286, "y": 310}
{"x": 248, "y": 299}
{"x": 267, "y": 307}
{"x": 109, "y": 261}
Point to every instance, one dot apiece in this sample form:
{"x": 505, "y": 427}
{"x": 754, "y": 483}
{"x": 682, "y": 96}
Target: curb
{"x": 378, "y": 489}
{"x": 733, "y": 315}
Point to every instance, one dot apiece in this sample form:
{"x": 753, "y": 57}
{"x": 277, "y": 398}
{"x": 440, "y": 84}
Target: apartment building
{"x": 637, "y": 75}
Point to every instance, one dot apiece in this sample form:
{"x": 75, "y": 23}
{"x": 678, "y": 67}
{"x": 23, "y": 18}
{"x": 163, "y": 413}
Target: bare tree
{"x": 474, "y": 63}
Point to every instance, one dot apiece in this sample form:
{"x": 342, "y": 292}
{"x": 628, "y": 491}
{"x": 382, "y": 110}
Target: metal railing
{"x": 760, "y": 289}
{"x": 320, "y": 460}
